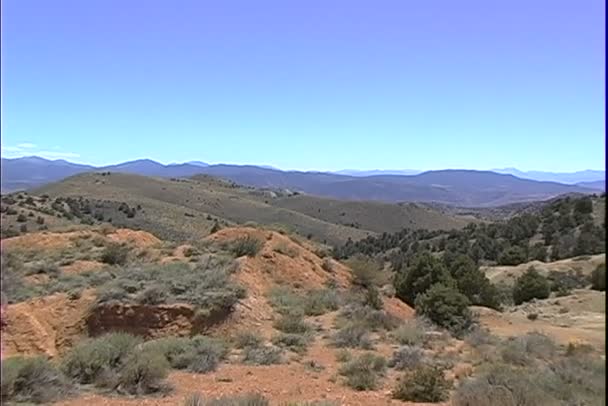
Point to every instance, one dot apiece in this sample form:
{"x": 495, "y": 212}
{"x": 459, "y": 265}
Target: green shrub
{"x": 527, "y": 349}
{"x": 424, "y": 384}
{"x": 285, "y": 301}
{"x": 203, "y": 355}
{"x": 373, "y": 298}
{"x": 343, "y": 356}
{"x": 252, "y": 399}
{"x": 409, "y": 333}
{"x": 249, "y": 246}
{"x": 206, "y": 285}
{"x": 500, "y": 386}
{"x": 598, "y": 278}
{"x": 352, "y": 335}
{"x": 530, "y": 285}
{"x": 294, "y": 342}
{"x": 372, "y": 319}
{"x": 142, "y": 373}
{"x": 366, "y": 272}
{"x": 364, "y": 372}
{"x": 115, "y": 254}
{"x": 33, "y": 380}
{"x": 89, "y": 359}
{"x": 513, "y": 255}
{"x": 445, "y": 307}
{"x": 406, "y": 357}
{"x": 318, "y": 302}
{"x": 293, "y": 324}
{"x": 565, "y": 382}
{"x": 263, "y": 355}
{"x": 172, "y": 348}
{"x": 248, "y": 339}
{"x": 415, "y": 280}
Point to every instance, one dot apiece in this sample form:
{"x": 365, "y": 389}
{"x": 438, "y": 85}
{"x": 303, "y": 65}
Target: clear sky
{"x": 307, "y": 84}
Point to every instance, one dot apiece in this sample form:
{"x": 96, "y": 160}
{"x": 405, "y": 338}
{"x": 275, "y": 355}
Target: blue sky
{"x": 307, "y": 84}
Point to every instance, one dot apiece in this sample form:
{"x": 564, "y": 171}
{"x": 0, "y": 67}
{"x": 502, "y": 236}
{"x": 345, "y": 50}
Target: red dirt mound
{"x": 47, "y": 325}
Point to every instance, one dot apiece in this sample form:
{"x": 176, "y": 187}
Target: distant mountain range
{"x": 561, "y": 177}
{"x": 466, "y": 188}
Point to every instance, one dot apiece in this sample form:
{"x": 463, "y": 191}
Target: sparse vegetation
{"x": 353, "y": 335}
{"x": 424, "y": 384}
{"x": 91, "y": 359}
{"x": 409, "y": 332}
{"x": 263, "y": 355}
{"x": 249, "y": 246}
{"x": 364, "y": 372}
{"x": 115, "y": 254}
{"x": 406, "y": 357}
{"x": 248, "y": 339}
{"x": 206, "y": 285}
{"x": 252, "y": 399}
{"x": 33, "y": 380}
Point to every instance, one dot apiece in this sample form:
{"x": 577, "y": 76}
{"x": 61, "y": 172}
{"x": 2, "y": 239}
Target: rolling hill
{"x": 466, "y": 188}
{"x": 188, "y": 208}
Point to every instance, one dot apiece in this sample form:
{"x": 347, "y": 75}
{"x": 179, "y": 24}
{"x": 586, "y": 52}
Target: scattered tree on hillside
{"x": 530, "y": 285}
{"x": 417, "y": 278}
{"x": 446, "y": 307}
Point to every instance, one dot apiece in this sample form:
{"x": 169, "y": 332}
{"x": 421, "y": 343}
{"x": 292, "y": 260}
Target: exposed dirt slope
{"x": 508, "y": 274}
{"x": 47, "y": 325}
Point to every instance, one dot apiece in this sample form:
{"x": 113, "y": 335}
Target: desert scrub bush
{"x": 263, "y": 355}
{"x": 501, "y": 385}
{"x": 115, "y": 254}
{"x": 285, "y": 249}
{"x": 250, "y": 399}
{"x": 321, "y": 301}
{"x": 409, "y": 332}
{"x": 292, "y": 324}
{"x": 203, "y": 285}
{"x": 88, "y": 360}
{"x": 446, "y": 307}
{"x": 424, "y": 384}
{"x": 33, "y": 380}
{"x": 286, "y": 301}
{"x": 562, "y": 383}
{"x": 406, "y": 357}
{"x": 142, "y": 373}
{"x": 311, "y": 303}
{"x": 374, "y": 320}
{"x": 205, "y": 355}
{"x": 294, "y": 342}
{"x": 352, "y": 335}
{"x": 527, "y": 349}
{"x": 366, "y": 271}
{"x": 364, "y": 372}
{"x": 598, "y": 278}
{"x": 248, "y": 339}
{"x": 199, "y": 354}
{"x": 343, "y": 355}
{"x": 530, "y": 285}
{"x": 249, "y": 246}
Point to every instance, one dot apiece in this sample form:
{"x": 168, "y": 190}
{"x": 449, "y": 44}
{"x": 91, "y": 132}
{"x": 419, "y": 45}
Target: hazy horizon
{"x": 263, "y": 165}
{"x": 319, "y": 85}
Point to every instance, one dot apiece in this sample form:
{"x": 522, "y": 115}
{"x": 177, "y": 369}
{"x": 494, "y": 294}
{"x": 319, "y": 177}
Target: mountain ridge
{"x": 469, "y": 188}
